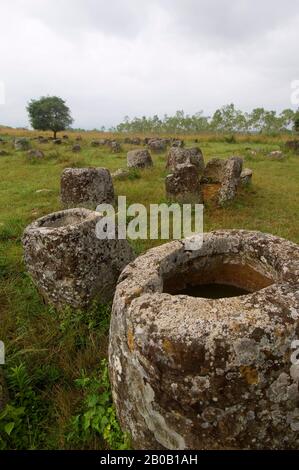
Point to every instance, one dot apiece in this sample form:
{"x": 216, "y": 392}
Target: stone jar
{"x": 86, "y": 187}
{"x": 139, "y": 159}
{"x": 208, "y": 372}
{"x": 190, "y": 156}
{"x": 183, "y": 185}
{"x": 68, "y": 263}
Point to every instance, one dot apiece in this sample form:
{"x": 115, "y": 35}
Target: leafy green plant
{"x": 97, "y": 415}
{"x": 96, "y": 317}
{"x": 134, "y": 174}
{"x": 20, "y": 420}
{"x": 12, "y": 421}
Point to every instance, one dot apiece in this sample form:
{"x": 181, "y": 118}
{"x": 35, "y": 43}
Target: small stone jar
{"x": 201, "y": 344}
{"x": 86, "y": 187}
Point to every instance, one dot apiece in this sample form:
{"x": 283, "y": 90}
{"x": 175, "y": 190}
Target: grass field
{"x": 55, "y": 362}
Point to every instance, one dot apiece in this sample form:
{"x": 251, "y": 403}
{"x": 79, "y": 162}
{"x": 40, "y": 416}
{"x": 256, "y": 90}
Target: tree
{"x": 287, "y": 118}
{"x": 49, "y": 113}
{"x": 296, "y": 121}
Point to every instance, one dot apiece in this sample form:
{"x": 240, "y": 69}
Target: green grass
{"x": 52, "y": 351}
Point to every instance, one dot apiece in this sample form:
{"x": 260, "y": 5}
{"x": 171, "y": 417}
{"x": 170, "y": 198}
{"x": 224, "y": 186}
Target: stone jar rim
{"x": 74, "y": 218}
{"x": 146, "y": 275}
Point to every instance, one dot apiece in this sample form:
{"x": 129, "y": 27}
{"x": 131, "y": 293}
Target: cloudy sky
{"x": 114, "y": 58}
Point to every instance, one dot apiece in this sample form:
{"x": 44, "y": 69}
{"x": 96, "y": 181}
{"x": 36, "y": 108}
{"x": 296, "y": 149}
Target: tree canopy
{"x": 49, "y": 113}
{"x": 226, "y": 119}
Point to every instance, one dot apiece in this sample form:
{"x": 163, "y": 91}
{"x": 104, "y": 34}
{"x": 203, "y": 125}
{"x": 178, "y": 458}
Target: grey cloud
{"x": 135, "y": 57}
{"x": 228, "y": 22}
{"x": 70, "y": 17}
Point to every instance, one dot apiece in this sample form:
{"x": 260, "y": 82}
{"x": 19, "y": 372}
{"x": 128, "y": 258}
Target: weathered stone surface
{"x": 68, "y": 263}
{"x": 43, "y": 140}
{"x": 139, "y": 159}
{"x": 101, "y": 142}
{"x": 115, "y": 146}
{"x": 86, "y": 186}
{"x": 157, "y": 145}
{"x": 22, "y": 144}
{"x": 35, "y": 153}
{"x": 276, "y": 155}
{"x": 78, "y": 138}
{"x": 95, "y": 143}
{"x": 199, "y": 373}
{"x": 246, "y": 176}
{"x": 76, "y": 148}
{"x": 230, "y": 180}
{"x": 3, "y": 153}
{"x": 213, "y": 172}
{"x": 132, "y": 140}
{"x": 57, "y": 141}
{"x": 183, "y": 185}
{"x": 177, "y": 143}
{"x": 190, "y": 156}
{"x": 293, "y": 145}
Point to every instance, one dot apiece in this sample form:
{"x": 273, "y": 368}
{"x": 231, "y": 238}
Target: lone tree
{"x": 49, "y": 113}
{"x": 296, "y": 122}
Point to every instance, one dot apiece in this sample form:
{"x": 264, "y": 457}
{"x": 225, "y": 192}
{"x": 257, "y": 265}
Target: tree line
{"x": 226, "y": 119}
{"x": 52, "y": 113}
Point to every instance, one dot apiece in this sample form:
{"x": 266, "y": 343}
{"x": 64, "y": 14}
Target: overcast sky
{"x": 111, "y": 58}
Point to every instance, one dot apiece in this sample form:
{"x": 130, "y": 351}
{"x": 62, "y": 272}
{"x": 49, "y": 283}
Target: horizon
{"x": 161, "y": 117}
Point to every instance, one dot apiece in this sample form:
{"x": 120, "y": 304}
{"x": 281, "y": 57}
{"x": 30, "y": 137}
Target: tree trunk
{"x": 55, "y": 132}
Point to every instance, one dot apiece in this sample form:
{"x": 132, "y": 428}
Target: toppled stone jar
{"x": 68, "y": 263}
{"x": 201, "y": 344}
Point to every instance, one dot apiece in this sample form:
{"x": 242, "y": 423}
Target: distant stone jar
{"x": 68, "y": 263}
{"x": 201, "y": 344}
{"x": 246, "y": 177}
{"x": 213, "y": 172}
{"x": 22, "y": 144}
{"x": 35, "y": 154}
{"x": 183, "y": 185}
{"x": 76, "y": 148}
{"x": 86, "y": 186}
{"x": 115, "y": 146}
{"x": 157, "y": 145}
{"x": 190, "y": 156}
{"x": 139, "y": 159}
{"x": 230, "y": 180}
{"x": 292, "y": 145}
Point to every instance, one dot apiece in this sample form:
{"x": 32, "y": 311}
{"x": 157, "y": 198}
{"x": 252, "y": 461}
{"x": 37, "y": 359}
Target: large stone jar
{"x": 68, "y": 263}
{"x": 213, "y": 371}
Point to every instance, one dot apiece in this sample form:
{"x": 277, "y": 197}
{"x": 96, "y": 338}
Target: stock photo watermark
{"x": 162, "y": 221}
{"x": 295, "y": 92}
